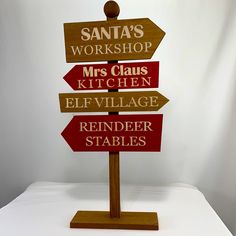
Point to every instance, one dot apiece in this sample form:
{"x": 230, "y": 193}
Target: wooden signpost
{"x": 113, "y": 40}
{"x": 113, "y": 76}
{"x": 112, "y": 102}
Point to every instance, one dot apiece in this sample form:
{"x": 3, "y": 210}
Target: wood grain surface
{"x": 111, "y": 40}
{"x": 128, "y": 220}
{"x": 112, "y": 101}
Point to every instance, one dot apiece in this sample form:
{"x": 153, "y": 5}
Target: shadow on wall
{"x": 219, "y": 186}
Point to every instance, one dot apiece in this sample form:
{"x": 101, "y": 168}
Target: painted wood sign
{"x": 114, "y": 133}
{"x": 113, "y": 76}
{"x": 111, "y": 40}
{"x": 112, "y": 102}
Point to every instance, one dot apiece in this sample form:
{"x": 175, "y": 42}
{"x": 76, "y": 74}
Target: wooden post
{"x": 112, "y": 10}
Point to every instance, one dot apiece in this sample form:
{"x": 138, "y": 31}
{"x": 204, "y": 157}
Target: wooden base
{"x": 127, "y": 220}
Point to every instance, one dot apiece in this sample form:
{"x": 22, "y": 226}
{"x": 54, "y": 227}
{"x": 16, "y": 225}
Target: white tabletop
{"x": 46, "y": 209}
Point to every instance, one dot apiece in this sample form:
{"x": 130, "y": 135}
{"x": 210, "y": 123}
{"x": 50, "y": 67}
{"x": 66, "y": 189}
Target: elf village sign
{"x": 112, "y": 102}
{"x": 113, "y": 40}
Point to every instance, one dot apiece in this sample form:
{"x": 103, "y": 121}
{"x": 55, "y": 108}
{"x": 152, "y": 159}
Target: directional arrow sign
{"x": 113, "y": 76}
{"x": 112, "y": 102}
{"x": 111, "y": 40}
{"x": 114, "y": 133}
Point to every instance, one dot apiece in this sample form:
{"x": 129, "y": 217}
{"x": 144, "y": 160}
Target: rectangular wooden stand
{"x": 127, "y": 220}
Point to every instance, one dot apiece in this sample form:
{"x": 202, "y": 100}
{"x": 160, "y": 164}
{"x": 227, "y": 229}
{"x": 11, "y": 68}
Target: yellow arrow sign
{"x": 111, "y": 40}
{"x": 112, "y": 102}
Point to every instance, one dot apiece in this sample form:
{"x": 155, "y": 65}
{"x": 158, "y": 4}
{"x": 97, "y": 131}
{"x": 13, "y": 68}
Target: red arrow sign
{"x": 114, "y": 133}
{"x": 113, "y": 76}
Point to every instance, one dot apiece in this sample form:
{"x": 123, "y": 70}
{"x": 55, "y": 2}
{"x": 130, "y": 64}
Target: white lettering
{"x": 138, "y": 29}
{"x": 85, "y": 34}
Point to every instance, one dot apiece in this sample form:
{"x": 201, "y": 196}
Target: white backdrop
{"x": 197, "y": 73}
